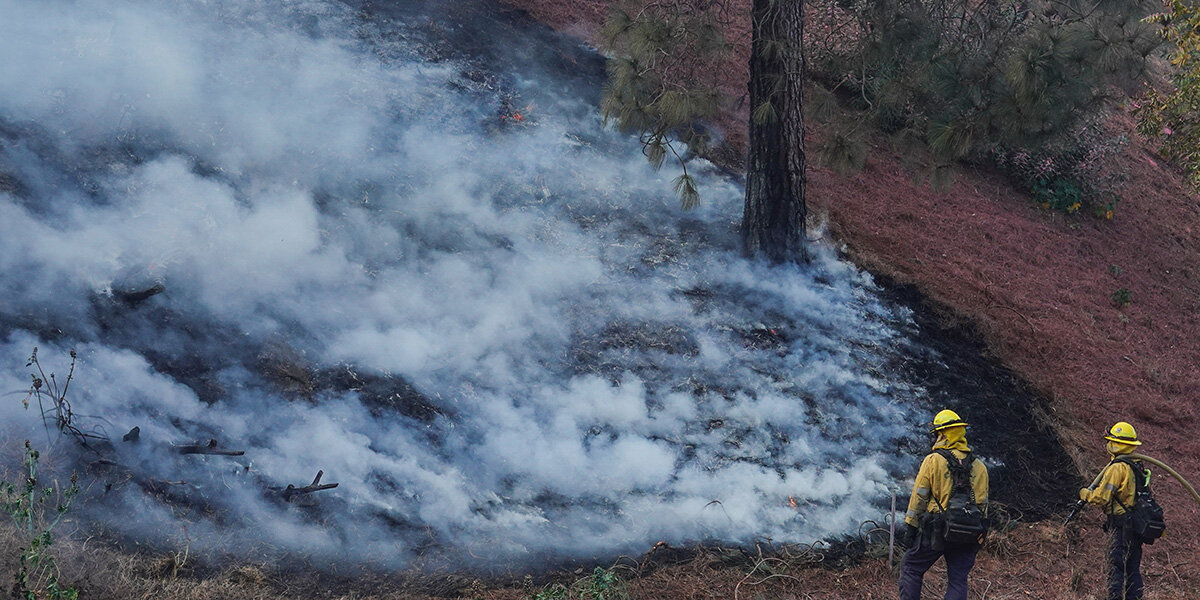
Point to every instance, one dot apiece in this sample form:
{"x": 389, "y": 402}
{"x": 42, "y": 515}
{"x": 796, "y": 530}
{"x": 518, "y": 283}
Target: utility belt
{"x": 1121, "y": 526}
{"x": 1145, "y": 527}
{"x": 1115, "y": 522}
{"x": 941, "y": 533}
{"x": 932, "y": 529}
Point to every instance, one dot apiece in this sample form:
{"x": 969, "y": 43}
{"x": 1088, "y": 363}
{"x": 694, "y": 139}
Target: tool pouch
{"x": 964, "y": 522}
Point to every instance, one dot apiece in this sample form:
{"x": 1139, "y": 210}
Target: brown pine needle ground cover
{"x": 1031, "y": 561}
{"x": 1040, "y": 287}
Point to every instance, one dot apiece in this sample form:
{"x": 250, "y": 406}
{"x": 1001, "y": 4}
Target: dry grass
{"x": 1038, "y": 286}
{"x": 1020, "y": 561}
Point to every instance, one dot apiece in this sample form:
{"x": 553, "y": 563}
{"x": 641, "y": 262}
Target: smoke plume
{"x": 436, "y": 277}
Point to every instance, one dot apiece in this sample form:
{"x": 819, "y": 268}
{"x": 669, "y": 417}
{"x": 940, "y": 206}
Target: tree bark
{"x": 773, "y": 219}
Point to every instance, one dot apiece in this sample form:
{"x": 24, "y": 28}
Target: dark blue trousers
{"x": 918, "y": 559}
{"x": 1124, "y": 565}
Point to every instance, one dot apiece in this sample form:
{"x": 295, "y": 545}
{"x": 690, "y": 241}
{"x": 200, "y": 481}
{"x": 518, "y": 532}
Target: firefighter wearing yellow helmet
{"x": 947, "y": 513}
{"x": 1115, "y": 495}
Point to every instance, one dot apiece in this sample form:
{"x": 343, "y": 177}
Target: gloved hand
{"x": 1084, "y": 493}
{"x": 907, "y": 537}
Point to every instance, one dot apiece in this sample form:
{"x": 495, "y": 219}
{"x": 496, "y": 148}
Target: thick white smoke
{"x": 307, "y": 183}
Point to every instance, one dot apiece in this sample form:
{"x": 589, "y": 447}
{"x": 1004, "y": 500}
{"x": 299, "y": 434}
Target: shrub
{"x": 967, "y": 78}
{"x": 28, "y": 502}
{"x": 601, "y": 584}
{"x": 1169, "y": 116}
{"x": 1122, "y": 297}
{"x": 1069, "y": 176}
{"x": 37, "y": 508}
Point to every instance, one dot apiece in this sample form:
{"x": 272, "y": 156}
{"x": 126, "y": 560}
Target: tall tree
{"x": 773, "y": 218}
{"x": 662, "y": 86}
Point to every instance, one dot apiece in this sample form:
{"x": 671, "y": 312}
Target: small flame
{"x": 792, "y": 502}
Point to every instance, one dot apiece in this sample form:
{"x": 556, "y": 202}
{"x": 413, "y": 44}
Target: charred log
{"x": 209, "y": 448}
{"x": 135, "y": 298}
{"x": 292, "y": 491}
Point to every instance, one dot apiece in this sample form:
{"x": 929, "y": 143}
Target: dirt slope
{"x": 1039, "y": 287}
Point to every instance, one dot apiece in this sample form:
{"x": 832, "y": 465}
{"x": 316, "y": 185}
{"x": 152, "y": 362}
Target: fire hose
{"x": 1142, "y": 457}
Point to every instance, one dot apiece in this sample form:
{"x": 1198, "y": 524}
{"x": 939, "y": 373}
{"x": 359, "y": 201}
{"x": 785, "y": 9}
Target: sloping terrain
{"x": 1039, "y": 287}
{"x": 988, "y": 260}
{"x": 423, "y": 268}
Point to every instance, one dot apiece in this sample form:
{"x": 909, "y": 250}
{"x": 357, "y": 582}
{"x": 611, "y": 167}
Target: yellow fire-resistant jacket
{"x": 933, "y": 483}
{"x": 1116, "y": 484}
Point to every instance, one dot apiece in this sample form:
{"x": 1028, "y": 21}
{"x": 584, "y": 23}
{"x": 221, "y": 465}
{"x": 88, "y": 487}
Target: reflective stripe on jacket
{"x": 1116, "y": 484}
{"x": 933, "y": 485}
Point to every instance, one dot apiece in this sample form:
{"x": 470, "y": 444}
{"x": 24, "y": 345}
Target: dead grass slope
{"x": 1041, "y": 561}
{"x": 1038, "y": 285}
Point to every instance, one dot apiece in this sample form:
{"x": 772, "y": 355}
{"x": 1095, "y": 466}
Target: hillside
{"x": 1038, "y": 285}
{"x": 394, "y": 243}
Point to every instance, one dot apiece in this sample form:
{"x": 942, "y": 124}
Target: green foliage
{"x": 1058, "y": 194}
{"x": 37, "y": 509}
{"x": 662, "y": 79}
{"x": 1122, "y": 297}
{"x": 968, "y": 78}
{"x": 844, "y": 151}
{"x": 601, "y": 584}
{"x": 764, "y": 114}
{"x": 1172, "y": 118}
{"x": 1069, "y": 175}
{"x": 685, "y": 188}
{"x": 557, "y": 591}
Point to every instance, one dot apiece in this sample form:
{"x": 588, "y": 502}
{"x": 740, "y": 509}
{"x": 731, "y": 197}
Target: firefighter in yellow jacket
{"x": 950, "y": 477}
{"x": 1114, "y": 495}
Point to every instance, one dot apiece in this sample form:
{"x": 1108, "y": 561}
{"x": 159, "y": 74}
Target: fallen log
{"x": 209, "y": 448}
{"x": 135, "y": 297}
{"x": 292, "y": 491}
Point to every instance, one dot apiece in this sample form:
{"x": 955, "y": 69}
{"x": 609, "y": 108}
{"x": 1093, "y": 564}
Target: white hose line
{"x": 1169, "y": 470}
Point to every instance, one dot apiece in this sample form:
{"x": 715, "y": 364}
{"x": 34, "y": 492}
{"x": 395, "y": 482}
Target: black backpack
{"x": 1145, "y": 518}
{"x": 963, "y": 520}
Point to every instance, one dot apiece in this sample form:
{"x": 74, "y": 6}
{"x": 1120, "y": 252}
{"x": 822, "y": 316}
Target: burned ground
{"x": 940, "y": 365}
{"x": 1037, "y": 288}
{"x": 946, "y": 366}
{"x": 1033, "y": 475}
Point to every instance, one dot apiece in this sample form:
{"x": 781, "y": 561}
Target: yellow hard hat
{"x": 947, "y": 419}
{"x": 1123, "y": 433}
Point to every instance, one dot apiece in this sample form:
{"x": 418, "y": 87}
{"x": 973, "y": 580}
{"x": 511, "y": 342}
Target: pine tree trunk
{"x": 773, "y": 220}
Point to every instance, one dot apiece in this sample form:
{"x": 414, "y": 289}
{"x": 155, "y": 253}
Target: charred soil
{"x": 1036, "y": 288}
{"x": 1012, "y": 311}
